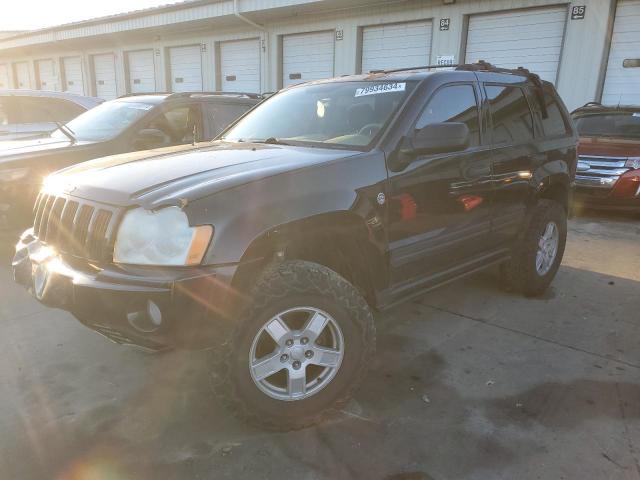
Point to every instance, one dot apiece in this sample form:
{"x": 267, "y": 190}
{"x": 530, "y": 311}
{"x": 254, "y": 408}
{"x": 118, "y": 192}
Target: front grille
{"x": 600, "y": 172}
{"x": 77, "y": 228}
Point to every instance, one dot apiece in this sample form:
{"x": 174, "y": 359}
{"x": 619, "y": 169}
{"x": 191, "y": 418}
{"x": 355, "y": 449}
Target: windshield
{"x": 620, "y": 125}
{"x": 105, "y": 121}
{"x": 331, "y": 114}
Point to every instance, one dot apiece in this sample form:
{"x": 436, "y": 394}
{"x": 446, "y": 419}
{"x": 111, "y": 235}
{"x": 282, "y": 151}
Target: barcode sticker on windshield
{"x": 381, "y": 88}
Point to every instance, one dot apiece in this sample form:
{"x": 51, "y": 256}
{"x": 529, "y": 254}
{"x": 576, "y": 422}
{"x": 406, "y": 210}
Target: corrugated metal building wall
{"x": 569, "y": 43}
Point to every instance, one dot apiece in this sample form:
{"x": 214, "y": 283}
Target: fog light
{"x": 146, "y": 321}
{"x": 40, "y": 278}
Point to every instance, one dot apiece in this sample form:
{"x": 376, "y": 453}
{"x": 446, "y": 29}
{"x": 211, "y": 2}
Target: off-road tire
{"x": 285, "y": 285}
{"x": 519, "y": 274}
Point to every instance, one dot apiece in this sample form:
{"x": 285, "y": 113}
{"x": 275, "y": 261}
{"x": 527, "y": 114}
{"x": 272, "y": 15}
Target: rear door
{"x": 531, "y": 38}
{"x": 514, "y": 155}
{"x": 439, "y": 210}
{"x": 240, "y": 66}
{"x": 104, "y": 68}
{"x": 307, "y": 56}
{"x": 398, "y": 45}
{"x": 186, "y": 68}
{"x": 47, "y": 79}
{"x": 73, "y": 81}
{"x": 22, "y": 75}
{"x": 141, "y": 71}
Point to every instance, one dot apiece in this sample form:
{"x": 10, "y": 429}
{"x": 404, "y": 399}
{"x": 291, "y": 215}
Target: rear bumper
{"x": 153, "y": 308}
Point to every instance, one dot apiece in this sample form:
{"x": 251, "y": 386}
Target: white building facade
{"x": 589, "y": 48}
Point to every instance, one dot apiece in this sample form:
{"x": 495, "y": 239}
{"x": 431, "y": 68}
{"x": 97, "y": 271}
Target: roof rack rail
{"x": 484, "y": 66}
{"x": 143, "y": 93}
{"x": 256, "y": 96}
{"x": 408, "y": 69}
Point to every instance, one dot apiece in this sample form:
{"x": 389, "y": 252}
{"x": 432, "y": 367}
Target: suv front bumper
{"x": 150, "y": 307}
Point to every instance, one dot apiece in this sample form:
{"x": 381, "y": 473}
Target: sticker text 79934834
{"x": 378, "y": 88}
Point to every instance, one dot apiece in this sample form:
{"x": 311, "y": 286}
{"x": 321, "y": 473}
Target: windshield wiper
{"x": 67, "y": 131}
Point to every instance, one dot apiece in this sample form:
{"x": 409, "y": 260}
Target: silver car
{"x": 31, "y": 113}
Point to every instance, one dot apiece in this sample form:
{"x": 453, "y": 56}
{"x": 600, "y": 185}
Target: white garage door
{"x": 73, "y": 78}
{"x": 240, "y": 66}
{"x": 46, "y": 75}
{"x": 104, "y": 67}
{"x": 307, "y": 56}
{"x": 399, "y": 45}
{"x": 528, "y": 38}
{"x": 186, "y": 69}
{"x": 622, "y": 84}
{"x": 23, "y": 76}
{"x": 4, "y": 76}
{"x": 142, "y": 71}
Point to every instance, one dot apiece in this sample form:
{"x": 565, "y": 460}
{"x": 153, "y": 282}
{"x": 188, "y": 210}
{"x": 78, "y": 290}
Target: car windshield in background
{"x": 105, "y": 121}
{"x": 332, "y": 114}
{"x": 620, "y": 125}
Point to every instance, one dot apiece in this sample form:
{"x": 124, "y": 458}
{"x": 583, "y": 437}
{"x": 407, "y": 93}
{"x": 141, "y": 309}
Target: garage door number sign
{"x": 578, "y": 12}
{"x": 381, "y": 88}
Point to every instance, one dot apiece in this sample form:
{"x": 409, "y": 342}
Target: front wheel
{"x": 299, "y": 351}
{"x": 536, "y": 259}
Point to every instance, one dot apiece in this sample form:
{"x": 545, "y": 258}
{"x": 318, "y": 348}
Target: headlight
{"x": 633, "y": 162}
{"x": 13, "y": 174}
{"x": 163, "y": 237}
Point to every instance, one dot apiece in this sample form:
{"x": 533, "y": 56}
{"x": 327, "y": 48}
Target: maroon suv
{"x": 608, "y": 171}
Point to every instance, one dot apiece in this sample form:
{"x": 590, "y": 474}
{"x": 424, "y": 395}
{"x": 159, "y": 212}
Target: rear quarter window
{"x": 554, "y": 124}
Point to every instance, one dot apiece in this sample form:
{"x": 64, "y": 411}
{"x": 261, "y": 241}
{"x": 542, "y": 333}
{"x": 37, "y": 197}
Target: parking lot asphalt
{"x": 469, "y": 382}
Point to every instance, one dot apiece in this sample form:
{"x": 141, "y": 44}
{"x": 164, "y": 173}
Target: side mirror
{"x": 150, "y": 138}
{"x": 440, "y": 138}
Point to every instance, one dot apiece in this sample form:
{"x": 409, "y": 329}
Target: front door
{"x": 439, "y": 211}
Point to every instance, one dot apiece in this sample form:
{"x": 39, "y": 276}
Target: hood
{"x": 609, "y": 147}
{"x": 18, "y": 149}
{"x": 181, "y": 174}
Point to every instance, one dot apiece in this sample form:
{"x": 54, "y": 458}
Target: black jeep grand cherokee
{"x": 333, "y": 199}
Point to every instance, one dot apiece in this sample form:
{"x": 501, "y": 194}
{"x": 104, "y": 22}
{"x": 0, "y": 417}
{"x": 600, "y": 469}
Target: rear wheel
{"x": 299, "y": 350}
{"x": 536, "y": 259}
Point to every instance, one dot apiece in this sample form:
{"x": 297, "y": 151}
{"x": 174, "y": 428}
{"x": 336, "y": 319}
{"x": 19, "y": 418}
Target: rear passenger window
{"x": 554, "y": 123}
{"x": 455, "y": 103}
{"x": 220, "y": 115}
{"x": 512, "y": 119}
{"x": 40, "y": 109}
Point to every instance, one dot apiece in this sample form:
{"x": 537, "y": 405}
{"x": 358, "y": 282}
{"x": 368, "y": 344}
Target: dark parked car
{"x": 127, "y": 124}
{"x": 330, "y": 200}
{"x": 608, "y": 172}
{"x": 33, "y": 113}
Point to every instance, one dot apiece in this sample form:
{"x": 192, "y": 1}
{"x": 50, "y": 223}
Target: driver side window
{"x": 454, "y": 103}
{"x": 177, "y": 125}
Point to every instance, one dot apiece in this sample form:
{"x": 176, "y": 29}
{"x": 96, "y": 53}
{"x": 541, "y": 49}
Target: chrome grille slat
{"x": 75, "y": 227}
{"x": 44, "y": 220}
{"x": 41, "y": 202}
{"x": 599, "y": 171}
{"x": 81, "y": 229}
